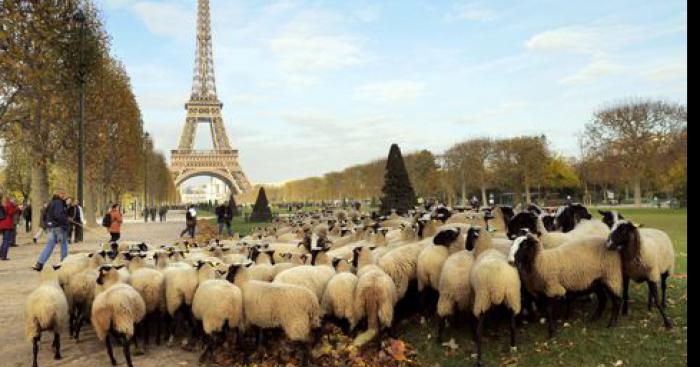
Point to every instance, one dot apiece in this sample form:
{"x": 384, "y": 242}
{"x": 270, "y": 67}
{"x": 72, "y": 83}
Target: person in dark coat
{"x": 145, "y": 214}
{"x": 153, "y": 214}
{"x": 57, "y": 224}
{"x": 27, "y": 215}
{"x": 190, "y": 221}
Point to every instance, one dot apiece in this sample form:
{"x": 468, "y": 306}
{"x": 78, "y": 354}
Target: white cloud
{"x": 391, "y": 91}
{"x": 583, "y": 39}
{"x": 598, "y": 67}
{"x": 167, "y": 19}
{"x": 476, "y": 12}
{"x": 311, "y": 44}
{"x": 668, "y": 72}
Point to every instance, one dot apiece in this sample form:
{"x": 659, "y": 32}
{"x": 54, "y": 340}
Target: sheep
{"x": 375, "y": 295}
{"x": 647, "y": 255}
{"x": 400, "y": 264}
{"x": 578, "y": 265}
{"x": 431, "y": 258}
{"x": 338, "y": 298}
{"x": 313, "y": 278}
{"x": 46, "y": 309}
{"x": 610, "y": 217}
{"x": 218, "y": 304}
{"x": 71, "y": 265}
{"x": 534, "y": 224}
{"x": 454, "y": 287}
{"x": 81, "y": 291}
{"x": 494, "y": 282}
{"x": 150, "y": 284}
{"x": 268, "y": 305}
{"x": 116, "y": 311}
{"x": 569, "y": 216}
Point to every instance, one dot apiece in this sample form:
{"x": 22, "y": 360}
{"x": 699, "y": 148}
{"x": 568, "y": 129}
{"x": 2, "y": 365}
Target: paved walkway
{"x": 17, "y": 280}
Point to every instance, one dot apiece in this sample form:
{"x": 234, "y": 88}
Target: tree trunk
{"x": 464, "y": 190}
{"x": 528, "y": 199}
{"x": 89, "y": 207}
{"x": 637, "y": 190}
{"x": 483, "y": 195}
{"x": 39, "y": 191}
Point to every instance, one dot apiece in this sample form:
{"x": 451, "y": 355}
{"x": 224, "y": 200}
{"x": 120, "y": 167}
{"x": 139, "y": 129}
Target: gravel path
{"x": 17, "y": 280}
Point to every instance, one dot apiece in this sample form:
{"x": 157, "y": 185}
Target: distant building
{"x": 214, "y": 190}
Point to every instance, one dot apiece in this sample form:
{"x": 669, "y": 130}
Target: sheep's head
{"x": 610, "y": 217}
{"x": 624, "y": 237}
{"x": 234, "y": 269}
{"x": 108, "y": 272}
{"x": 523, "y": 252}
{"x": 522, "y": 220}
{"x": 446, "y": 237}
{"x": 473, "y": 235}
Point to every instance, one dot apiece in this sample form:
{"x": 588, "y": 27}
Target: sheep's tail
{"x": 371, "y": 308}
{"x": 444, "y": 305}
{"x": 386, "y": 312}
{"x": 314, "y": 312}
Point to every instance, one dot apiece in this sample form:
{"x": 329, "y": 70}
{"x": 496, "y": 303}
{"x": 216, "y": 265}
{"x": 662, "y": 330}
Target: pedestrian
{"x": 190, "y": 221}
{"x": 115, "y": 226}
{"x": 228, "y": 219}
{"x": 220, "y": 218}
{"x": 78, "y": 222}
{"x": 16, "y": 217}
{"x": 7, "y": 214}
{"x": 27, "y": 214}
{"x": 145, "y": 214}
{"x": 475, "y": 203}
{"x": 153, "y": 214}
{"x": 70, "y": 213}
{"x": 57, "y": 225}
{"x": 42, "y": 223}
{"x": 165, "y": 213}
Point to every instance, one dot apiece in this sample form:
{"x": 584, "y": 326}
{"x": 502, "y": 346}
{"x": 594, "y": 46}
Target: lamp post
{"x": 79, "y": 17}
{"x": 145, "y": 172}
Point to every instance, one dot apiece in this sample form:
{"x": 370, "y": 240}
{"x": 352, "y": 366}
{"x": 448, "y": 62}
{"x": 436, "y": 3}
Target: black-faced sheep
{"x": 46, "y": 309}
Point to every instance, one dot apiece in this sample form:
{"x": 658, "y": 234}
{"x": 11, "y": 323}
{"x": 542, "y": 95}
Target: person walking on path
{"x": 224, "y": 215}
{"x": 78, "y": 222}
{"x": 145, "y": 214}
{"x": 70, "y": 213}
{"x": 57, "y": 224}
{"x": 7, "y": 225}
{"x": 115, "y": 227}
{"x": 27, "y": 215}
{"x": 190, "y": 221}
{"x": 153, "y": 214}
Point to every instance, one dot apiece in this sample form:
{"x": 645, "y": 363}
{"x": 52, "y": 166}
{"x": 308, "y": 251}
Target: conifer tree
{"x": 261, "y": 209}
{"x": 398, "y": 192}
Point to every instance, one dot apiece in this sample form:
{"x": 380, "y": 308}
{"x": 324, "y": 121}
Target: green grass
{"x": 639, "y": 339}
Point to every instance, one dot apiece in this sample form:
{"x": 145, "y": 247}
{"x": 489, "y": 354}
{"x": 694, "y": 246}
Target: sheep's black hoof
{"x": 57, "y": 357}
{"x": 668, "y": 324}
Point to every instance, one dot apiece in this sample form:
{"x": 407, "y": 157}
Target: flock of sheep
{"x": 351, "y": 269}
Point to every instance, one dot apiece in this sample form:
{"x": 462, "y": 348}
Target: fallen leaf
{"x": 397, "y": 350}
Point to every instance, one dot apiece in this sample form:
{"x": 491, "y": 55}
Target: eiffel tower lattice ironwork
{"x": 204, "y": 107}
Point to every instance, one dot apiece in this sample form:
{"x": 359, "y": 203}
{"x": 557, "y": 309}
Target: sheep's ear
{"x": 118, "y": 266}
{"x": 57, "y": 266}
{"x": 372, "y": 247}
{"x": 637, "y": 225}
{"x": 603, "y": 212}
{"x": 90, "y": 254}
{"x": 248, "y": 264}
{"x": 143, "y": 255}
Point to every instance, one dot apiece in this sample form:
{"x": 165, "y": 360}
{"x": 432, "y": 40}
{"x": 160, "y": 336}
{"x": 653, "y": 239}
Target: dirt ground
{"x": 17, "y": 280}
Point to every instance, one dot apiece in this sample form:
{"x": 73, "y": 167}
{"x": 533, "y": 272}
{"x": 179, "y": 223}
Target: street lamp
{"x": 145, "y": 171}
{"x": 79, "y": 17}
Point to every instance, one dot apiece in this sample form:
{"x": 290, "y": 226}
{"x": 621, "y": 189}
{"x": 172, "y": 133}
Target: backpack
{"x": 107, "y": 220}
{"x": 3, "y": 213}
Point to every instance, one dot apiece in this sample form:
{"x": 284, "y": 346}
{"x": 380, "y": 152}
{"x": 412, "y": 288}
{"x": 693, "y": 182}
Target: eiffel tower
{"x": 204, "y": 107}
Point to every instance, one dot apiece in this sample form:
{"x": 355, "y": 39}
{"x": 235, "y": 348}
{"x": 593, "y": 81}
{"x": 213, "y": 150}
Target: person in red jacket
{"x": 7, "y": 224}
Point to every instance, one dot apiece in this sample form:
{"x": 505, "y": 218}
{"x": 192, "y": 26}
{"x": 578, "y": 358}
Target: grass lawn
{"x": 639, "y": 339}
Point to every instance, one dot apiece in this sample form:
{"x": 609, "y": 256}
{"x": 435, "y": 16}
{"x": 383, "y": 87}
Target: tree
{"x": 470, "y": 163}
{"x": 521, "y": 163}
{"x": 261, "y": 209}
{"x": 397, "y": 191}
{"x": 635, "y": 133}
{"x": 422, "y": 171}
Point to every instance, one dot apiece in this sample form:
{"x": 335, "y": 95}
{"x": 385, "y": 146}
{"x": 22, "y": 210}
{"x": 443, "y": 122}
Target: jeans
{"x": 56, "y": 234}
{"x": 6, "y": 242}
{"x": 114, "y": 237}
{"x": 229, "y": 229}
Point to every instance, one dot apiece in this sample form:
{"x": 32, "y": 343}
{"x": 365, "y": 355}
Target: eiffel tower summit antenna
{"x": 204, "y": 107}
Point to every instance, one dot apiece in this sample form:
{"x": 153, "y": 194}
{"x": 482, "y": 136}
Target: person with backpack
{"x": 113, "y": 222}
{"x": 7, "y": 225}
{"x": 57, "y": 224}
{"x": 190, "y": 221}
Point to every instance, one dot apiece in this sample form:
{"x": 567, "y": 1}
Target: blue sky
{"x": 314, "y": 86}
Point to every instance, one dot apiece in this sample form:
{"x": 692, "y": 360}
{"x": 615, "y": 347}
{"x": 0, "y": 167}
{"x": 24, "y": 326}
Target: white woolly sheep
{"x": 338, "y": 298}
{"x": 313, "y": 278}
{"x": 581, "y": 264}
{"x": 218, "y": 304}
{"x": 46, "y": 309}
{"x": 268, "y": 305}
{"x": 150, "y": 284}
{"x": 116, "y": 311}
{"x": 400, "y": 264}
{"x": 454, "y": 287}
{"x": 81, "y": 291}
{"x": 494, "y": 282}
{"x": 647, "y": 255}
{"x": 431, "y": 258}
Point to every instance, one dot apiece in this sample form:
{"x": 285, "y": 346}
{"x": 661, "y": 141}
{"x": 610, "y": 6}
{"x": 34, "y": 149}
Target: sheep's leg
{"x": 664, "y": 278}
{"x": 616, "y": 307}
{"x": 625, "y": 294}
{"x": 512, "y": 329}
{"x": 258, "y": 337}
{"x": 71, "y": 322}
{"x": 110, "y": 353}
{"x": 441, "y": 327}
{"x": 550, "y": 317}
{"x": 479, "y": 330}
{"x": 602, "y": 300}
{"x": 57, "y": 346}
{"x": 655, "y": 295}
{"x": 146, "y": 332}
{"x": 158, "y": 319}
{"x": 127, "y": 351}
{"x": 305, "y": 355}
{"x": 208, "y": 341}
{"x": 35, "y": 349}
{"x": 650, "y": 298}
